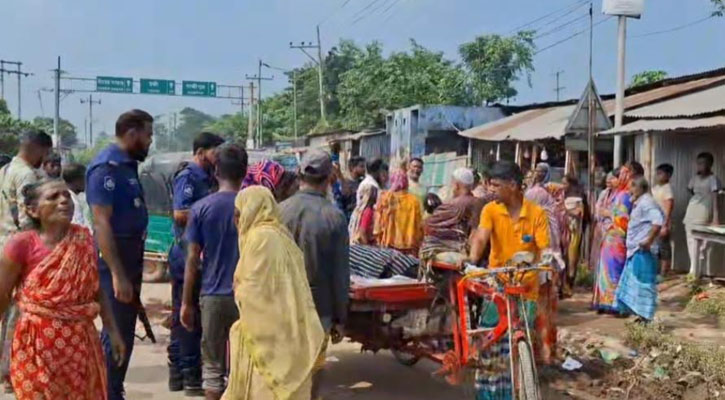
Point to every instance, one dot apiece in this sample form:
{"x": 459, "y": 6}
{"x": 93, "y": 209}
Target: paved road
{"x": 352, "y": 375}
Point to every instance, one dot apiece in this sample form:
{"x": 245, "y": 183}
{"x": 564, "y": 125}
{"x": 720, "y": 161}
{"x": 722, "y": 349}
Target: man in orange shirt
{"x": 509, "y": 224}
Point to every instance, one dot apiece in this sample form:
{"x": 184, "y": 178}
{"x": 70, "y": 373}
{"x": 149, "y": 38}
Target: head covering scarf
{"x": 545, "y": 166}
{"x": 278, "y": 329}
{"x": 625, "y": 178}
{"x": 266, "y": 173}
{"x": 366, "y": 195}
{"x": 399, "y": 181}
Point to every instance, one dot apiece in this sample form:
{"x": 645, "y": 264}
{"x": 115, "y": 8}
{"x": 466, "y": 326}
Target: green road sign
{"x": 194, "y": 88}
{"x": 114, "y": 84}
{"x": 158, "y": 86}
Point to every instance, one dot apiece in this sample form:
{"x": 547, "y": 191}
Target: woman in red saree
{"x": 56, "y": 351}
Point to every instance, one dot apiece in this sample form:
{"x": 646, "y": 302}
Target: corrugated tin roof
{"x": 527, "y": 125}
{"x": 698, "y": 103}
{"x": 550, "y": 121}
{"x": 681, "y": 124}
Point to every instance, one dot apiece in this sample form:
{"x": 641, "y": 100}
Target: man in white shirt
{"x": 377, "y": 175}
{"x": 662, "y": 193}
{"x": 74, "y": 176}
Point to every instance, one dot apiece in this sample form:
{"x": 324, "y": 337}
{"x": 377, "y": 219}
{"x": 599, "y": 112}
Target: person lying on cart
{"x": 510, "y": 224}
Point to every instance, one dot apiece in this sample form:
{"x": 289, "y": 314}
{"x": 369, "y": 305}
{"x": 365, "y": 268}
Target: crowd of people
{"x": 262, "y": 257}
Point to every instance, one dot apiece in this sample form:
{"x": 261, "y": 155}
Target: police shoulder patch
{"x": 109, "y": 183}
{"x": 188, "y": 190}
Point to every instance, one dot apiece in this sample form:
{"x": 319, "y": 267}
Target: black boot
{"x": 176, "y": 379}
{"x": 192, "y": 383}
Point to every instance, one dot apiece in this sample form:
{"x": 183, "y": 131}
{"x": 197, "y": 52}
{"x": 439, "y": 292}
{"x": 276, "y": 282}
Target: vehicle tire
{"x": 528, "y": 382}
{"x": 404, "y": 358}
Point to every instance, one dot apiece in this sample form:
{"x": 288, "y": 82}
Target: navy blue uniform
{"x": 191, "y": 183}
{"x": 112, "y": 180}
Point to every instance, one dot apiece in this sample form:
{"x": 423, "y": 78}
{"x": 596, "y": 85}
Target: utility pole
{"x": 250, "y": 123}
{"x": 619, "y": 110}
{"x": 294, "y": 102}
{"x": 90, "y": 102}
{"x": 558, "y": 88}
{"x": 19, "y": 72}
{"x": 259, "y": 78}
{"x": 591, "y": 149}
{"x": 56, "y": 116}
{"x": 2, "y": 79}
{"x": 303, "y": 47}
{"x": 294, "y": 95}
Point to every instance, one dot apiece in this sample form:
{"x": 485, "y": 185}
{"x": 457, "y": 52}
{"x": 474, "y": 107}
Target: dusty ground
{"x": 363, "y": 376}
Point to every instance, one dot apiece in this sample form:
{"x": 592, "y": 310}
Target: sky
{"x": 222, "y": 41}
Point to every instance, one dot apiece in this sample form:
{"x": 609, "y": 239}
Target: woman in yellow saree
{"x": 278, "y": 338}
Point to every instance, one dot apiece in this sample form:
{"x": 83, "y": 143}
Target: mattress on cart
{"x": 397, "y": 289}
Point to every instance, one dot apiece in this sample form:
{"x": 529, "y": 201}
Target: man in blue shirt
{"x": 192, "y": 182}
{"x": 120, "y": 219}
{"x": 211, "y": 230}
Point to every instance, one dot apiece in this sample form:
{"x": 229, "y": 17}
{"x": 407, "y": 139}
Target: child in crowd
{"x": 662, "y": 193}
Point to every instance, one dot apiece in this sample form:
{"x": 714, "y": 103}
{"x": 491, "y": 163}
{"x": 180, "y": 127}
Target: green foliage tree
{"x": 230, "y": 126}
{"x": 85, "y": 156}
{"x": 647, "y": 77}
{"x": 376, "y": 84}
{"x": 719, "y": 8}
{"x": 495, "y": 63}
{"x": 10, "y": 128}
{"x": 192, "y": 122}
{"x": 68, "y": 134}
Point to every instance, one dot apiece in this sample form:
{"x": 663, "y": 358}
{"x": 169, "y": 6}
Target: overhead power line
{"x": 677, "y": 28}
{"x": 371, "y": 12}
{"x": 562, "y": 26}
{"x": 572, "y": 36}
{"x": 573, "y": 6}
{"x": 335, "y": 11}
{"x": 367, "y": 7}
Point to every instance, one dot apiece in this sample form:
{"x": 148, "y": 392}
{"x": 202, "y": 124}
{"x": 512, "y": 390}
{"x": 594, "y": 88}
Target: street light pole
{"x": 619, "y": 110}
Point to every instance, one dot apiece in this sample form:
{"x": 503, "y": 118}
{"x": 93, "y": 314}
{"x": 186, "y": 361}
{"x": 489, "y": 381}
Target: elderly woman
{"x": 548, "y": 292}
{"x": 601, "y": 220}
{"x": 399, "y": 217}
{"x": 56, "y": 352}
{"x": 614, "y": 247}
{"x": 637, "y": 290}
{"x": 278, "y": 339}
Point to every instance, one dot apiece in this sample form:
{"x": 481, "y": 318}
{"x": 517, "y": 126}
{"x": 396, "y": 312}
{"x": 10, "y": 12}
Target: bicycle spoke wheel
{"x": 527, "y": 382}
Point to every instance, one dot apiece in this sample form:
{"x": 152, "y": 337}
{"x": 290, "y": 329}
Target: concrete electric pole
{"x": 56, "y": 116}
{"x": 90, "y": 102}
{"x": 250, "y": 122}
{"x": 294, "y": 94}
{"x": 303, "y": 47}
{"x": 558, "y": 89}
{"x": 259, "y": 78}
{"x": 18, "y": 71}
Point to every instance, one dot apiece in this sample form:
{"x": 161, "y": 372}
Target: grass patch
{"x": 710, "y": 304}
{"x": 676, "y": 356}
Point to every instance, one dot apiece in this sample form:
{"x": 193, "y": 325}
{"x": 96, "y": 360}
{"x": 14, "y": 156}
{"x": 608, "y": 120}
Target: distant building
{"x": 425, "y": 129}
